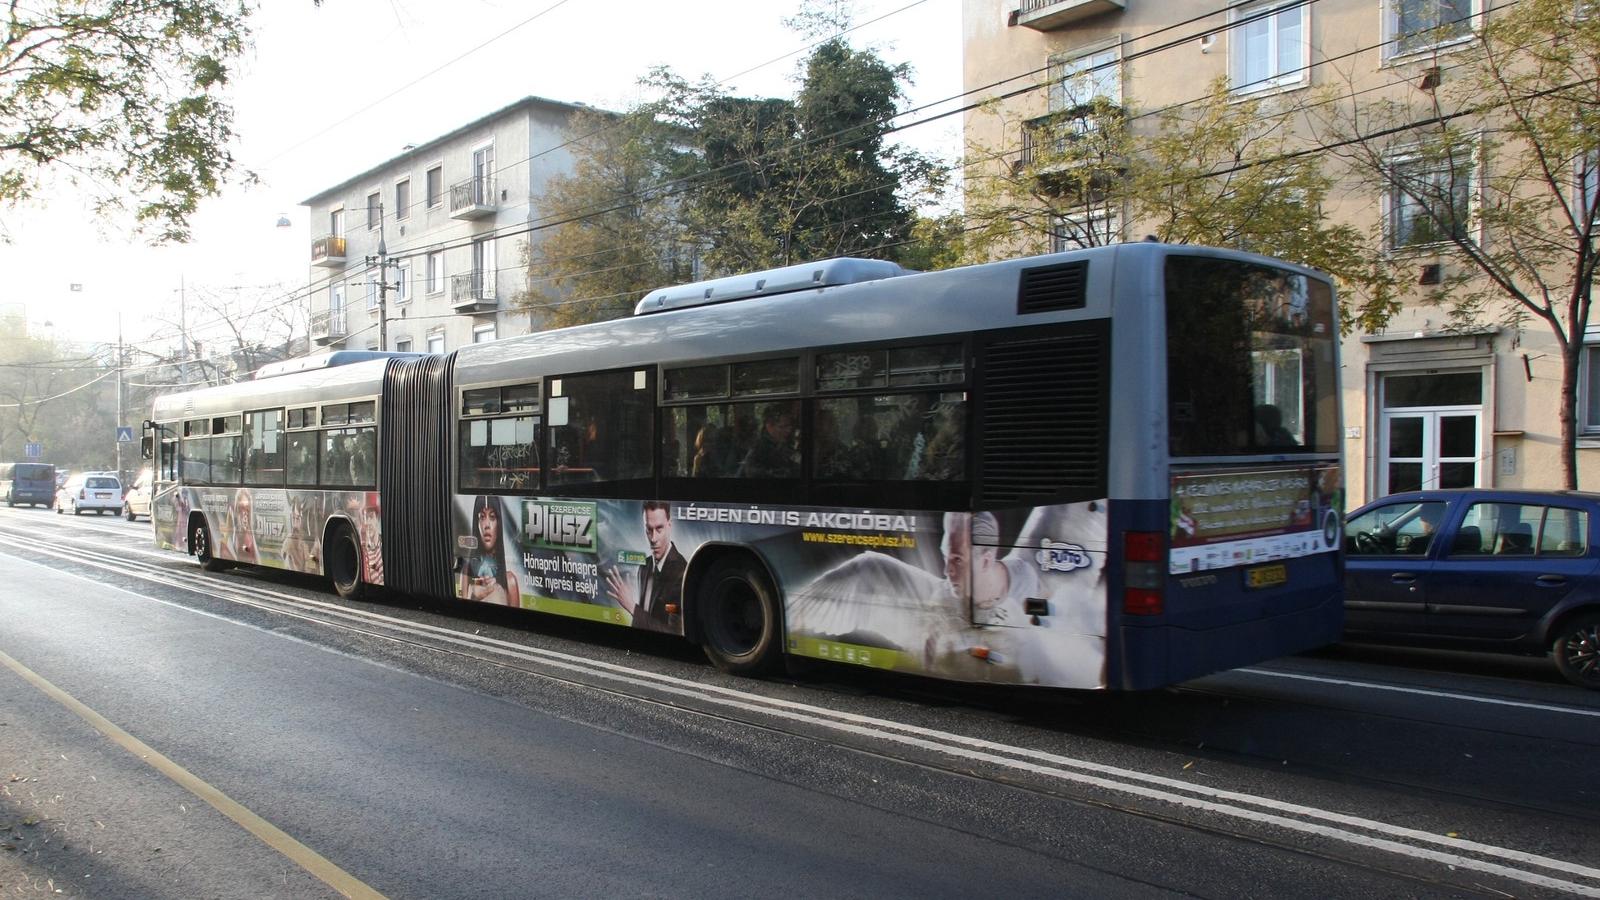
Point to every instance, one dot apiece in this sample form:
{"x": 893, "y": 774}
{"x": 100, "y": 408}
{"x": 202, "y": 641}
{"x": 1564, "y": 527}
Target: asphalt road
{"x": 168, "y": 733}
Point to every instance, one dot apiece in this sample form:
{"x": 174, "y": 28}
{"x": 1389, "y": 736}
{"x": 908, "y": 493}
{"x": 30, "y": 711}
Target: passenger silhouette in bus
{"x": 484, "y": 575}
{"x": 1269, "y": 428}
{"x": 707, "y": 452}
{"x": 774, "y": 454}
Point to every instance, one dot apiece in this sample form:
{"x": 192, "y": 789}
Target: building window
{"x": 435, "y": 186}
{"x": 336, "y": 222}
{"x": 1589, "y": 388}
{"x": 436, "y": 271}
{"x": 374, "y": 210}
{"x": 372, "y": 289}
{"x": 1412, "y": 26}
{"x": 435, "y": 343}
{"x": 483, "y": 269}
{"x": 1268, "y": 47}
{"x": 336, "y": 299}
{"x": 1075, "y": 232}
{"x": 402, "y": 198}
{"x": 1081, "y": 77}
{"x": 402, "y": 345}
{"x": 1589, "y": 188}
{"x": 1430, "y": 200}
{"x": 402, "y": 282}
{"x": 482, "y": 334}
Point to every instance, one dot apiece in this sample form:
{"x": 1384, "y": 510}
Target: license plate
{"x": 1266, "y": 576}
{"x": 102, "y": 496}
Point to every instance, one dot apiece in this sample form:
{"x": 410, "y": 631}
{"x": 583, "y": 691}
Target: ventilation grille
{"x": 415, "y": 475}
{"x": 1044, "y": 415}
{"x": 1052, "y": 288}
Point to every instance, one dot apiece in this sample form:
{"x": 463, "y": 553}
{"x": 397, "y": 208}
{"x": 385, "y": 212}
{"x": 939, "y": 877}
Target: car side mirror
{"x": 146, "y": 447}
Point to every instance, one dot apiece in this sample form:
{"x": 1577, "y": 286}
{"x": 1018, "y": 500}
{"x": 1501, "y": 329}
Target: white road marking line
{"x": 266, "y": 832}
{"x": 1090, "y": 773}
{"x": 1428, "y": 692}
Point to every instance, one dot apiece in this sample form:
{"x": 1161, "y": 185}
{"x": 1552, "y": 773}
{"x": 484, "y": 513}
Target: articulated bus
{"x": 1114, "y": 468}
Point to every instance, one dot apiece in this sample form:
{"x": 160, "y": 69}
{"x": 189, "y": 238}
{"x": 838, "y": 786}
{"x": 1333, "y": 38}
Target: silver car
{"x": 100, "y": 492}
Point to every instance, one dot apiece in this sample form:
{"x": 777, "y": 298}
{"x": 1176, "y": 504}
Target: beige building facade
{"x": 1425, "y": 404}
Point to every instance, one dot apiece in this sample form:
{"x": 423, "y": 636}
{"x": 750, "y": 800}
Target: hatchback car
{"x": 1516, "y": 571}
{"x": 136, "y": 502}
{"x": 99, "y": 492}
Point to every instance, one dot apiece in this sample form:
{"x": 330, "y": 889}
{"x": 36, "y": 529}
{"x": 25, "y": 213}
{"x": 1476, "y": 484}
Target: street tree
{"x": 614, "y": 231}
{"x": 1492, "y": 160}
{"x": 700, "y": 182}
{"x": 1220, "y": 172}
{"x": 123, "y": 99}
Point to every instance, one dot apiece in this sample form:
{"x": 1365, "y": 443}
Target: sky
{"x": 328, "y": 92}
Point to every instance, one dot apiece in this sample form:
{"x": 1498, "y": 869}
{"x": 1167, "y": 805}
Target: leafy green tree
{"x": 122, "y": 98}
{"x": 1493, "y": 160}
{"x": 701, "y": 182}
{"x": 616, "y": 234}
{"x": 1220, "y": 172}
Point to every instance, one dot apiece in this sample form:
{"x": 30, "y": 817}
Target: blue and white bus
{"x": 1115, "y": 468}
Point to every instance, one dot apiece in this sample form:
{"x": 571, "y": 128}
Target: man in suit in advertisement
{"x": 657, "y": 601}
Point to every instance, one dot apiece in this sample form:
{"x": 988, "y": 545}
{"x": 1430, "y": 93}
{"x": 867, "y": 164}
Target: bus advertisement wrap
{"x": 272, "y": 527}
{"x": 930, "y": 593}
{"x": 1239, "y": 517}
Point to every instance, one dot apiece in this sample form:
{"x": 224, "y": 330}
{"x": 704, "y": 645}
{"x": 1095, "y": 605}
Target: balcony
{"x": 473, "y": 198}
{"x": 328, "y": 326}
{"x": 472, "y": 293}
{"x": 1049, "y": 15}
{"x": 328, "y": 252}
{"x": 1074, "y": 151}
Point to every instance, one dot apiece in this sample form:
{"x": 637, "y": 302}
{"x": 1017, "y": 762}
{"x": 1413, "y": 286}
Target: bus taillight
{"x": 1143, "y": 554}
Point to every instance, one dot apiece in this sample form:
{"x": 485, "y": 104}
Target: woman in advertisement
{"x": 485, "y": 576}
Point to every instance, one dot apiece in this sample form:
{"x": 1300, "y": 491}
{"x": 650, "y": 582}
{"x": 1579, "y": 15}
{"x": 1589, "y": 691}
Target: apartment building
{"x": 1427, "y": 403}
{"x": 453, "y": 216}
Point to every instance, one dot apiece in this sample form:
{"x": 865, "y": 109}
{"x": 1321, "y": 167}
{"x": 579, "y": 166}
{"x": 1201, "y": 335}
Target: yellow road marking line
{"x": 269, "y": 834}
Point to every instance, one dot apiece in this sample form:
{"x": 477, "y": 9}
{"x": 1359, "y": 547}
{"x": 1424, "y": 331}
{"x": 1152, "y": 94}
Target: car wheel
{"x": 342, "y": 563}
{"x": 741, "y": 624}
{"x": 200, "y": 543}
{"x": 75, "y": 510}
{"x": 1577, "y": 650}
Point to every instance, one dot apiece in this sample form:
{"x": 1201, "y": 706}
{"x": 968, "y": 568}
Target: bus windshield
{"x": 1250, "y": 360}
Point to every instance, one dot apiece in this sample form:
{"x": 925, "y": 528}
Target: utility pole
{"x": 121, "y": 472}
{"x": 382, "y": 260}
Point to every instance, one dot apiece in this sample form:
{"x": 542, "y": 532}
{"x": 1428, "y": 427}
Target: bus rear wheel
{"x": 740, "y": 622}
{"x": 204, "y": 550}
{"x": 342, "y": 557}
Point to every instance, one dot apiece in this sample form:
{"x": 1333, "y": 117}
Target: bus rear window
{"x": 1250, "y": 360}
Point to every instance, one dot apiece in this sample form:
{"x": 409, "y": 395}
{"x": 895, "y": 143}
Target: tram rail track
{"x": 1217, "y": 811}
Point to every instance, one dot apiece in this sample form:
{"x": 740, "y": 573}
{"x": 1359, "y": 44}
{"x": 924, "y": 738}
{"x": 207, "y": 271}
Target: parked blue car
{"x": 1516, "y": 571}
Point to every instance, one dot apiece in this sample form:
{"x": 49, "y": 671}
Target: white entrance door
{"x": 1431, "y": 427}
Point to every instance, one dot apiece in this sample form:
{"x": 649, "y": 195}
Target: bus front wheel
{"x": 740, "y": 621}
{"x": 343, "y": 562}
{"x": 204, "y": 550}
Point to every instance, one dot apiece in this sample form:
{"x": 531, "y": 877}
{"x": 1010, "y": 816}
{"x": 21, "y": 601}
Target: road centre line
{"x": 973, "y": 749}
{"x": 271, "y": 835}
{"x": 1428, "y": 692}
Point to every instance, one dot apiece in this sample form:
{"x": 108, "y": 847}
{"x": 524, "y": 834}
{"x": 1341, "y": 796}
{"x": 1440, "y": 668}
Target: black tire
{"x": 59, "y": 510}
{"x": 1576, "y": 649}
{"x": 200, "y": 543}
{"x": 741, "y": 624}
{"x": 127, "y": 513}
{"x": 342, "y": 562}
{"x": 75, "y": 510}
